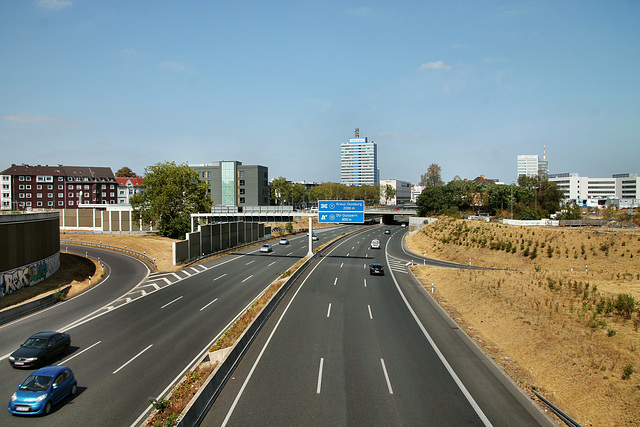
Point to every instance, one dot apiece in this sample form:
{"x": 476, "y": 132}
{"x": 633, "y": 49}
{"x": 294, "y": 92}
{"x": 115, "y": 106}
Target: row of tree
{"x": 533, "y": 197}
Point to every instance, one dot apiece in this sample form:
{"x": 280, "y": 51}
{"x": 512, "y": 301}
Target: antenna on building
{"x": 544, "y": 152}
{"x": 357, "y": 132}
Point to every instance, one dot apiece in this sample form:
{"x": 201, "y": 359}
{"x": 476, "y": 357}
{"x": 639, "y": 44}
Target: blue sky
{"x": 468, "y": 85}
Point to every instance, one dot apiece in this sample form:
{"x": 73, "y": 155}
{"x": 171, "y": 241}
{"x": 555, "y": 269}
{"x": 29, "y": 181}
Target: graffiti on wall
{"x": 23, "y": 277}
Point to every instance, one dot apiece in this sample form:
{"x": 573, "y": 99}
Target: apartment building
{"x": 593, "y": 191}
{"x": 233, "y": 184}
{"x": 359, "y": 161}
{"x": 26, "y": 187}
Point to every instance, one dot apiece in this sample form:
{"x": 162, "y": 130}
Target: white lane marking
{"x": 386, "y": 376}
{"x": 370, "y": 315}
{"x": 329, "y": 310}
{"x": 364, "y": 266}
{"x": 209, "y": 304}
{"x": 347, "y": 255}
{"x": 353, "y": 247}
{"x": 289, "y": 253}
{"x": 365, "y": 283}
{"x": 444, "y": 361}
{"x": 64, "y": 362}
{"x": 219, "y": 277}
{"x": 247, "y": 278}
{"x": 171, "y": 302}
{"x": 250, "y": 262}
{"x": 266, "y": 344}
{"x": 132, "y": 359}
{"x": 341, "y": 265}
{"x": 320, "y": 376}
{"x": 335, "y": 281}
{"x": 271, "y": 264}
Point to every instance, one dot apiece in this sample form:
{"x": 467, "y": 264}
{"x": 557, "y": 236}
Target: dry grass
{"x": 155, "y": 247}
{"x": 74, "y": 270}
{"x": 548, "y": 326}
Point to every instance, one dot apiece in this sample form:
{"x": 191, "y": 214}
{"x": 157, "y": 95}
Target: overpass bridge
{"x": 288, "y": 214}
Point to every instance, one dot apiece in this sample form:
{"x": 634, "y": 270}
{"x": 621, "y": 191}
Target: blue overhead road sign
{"x": 342, "y": 211}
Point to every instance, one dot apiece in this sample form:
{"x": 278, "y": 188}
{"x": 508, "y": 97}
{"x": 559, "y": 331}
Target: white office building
{"x": 402, "y": 190}
{"x": 623, "y": 188}
{"x": 359, "y": 161}
{"x": 532, "y": 165}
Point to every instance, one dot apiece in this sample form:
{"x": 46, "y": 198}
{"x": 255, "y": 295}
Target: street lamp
{"x": 511, "y": 199}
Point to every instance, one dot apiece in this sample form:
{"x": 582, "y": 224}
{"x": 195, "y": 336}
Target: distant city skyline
{"x": 466, "y": 85}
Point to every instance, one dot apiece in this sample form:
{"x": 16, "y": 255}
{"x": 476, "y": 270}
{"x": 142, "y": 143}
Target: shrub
{"x": 160, "y": 405}
{"x": 627, "y": 372}
{"x": 625, "y": 305}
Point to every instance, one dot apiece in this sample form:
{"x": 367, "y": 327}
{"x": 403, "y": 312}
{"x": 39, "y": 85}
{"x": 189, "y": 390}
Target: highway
{"x": 136, "y": 334}
{"x": 347, "y": 348}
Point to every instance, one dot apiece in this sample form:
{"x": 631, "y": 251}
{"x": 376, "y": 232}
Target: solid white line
{"x": 64, "y": 362}
{"x": 335, "y": 281}
{"x": 169, "y": 303}
{"x": 271, "y": 264}
{"x": 444, "y": 361}
{"x": 209, "y": 304}
{"x": 320, "y": 376}
{"x": 132, "y": 359}
{"x": 370, "y": 315}
{"x": 247, "y": 278}
{"x": 250, "y": 262}
{"x": 266, "y": 344}
{"x": 329, "y": 310}
{"x": 219, "y": 277}
{"x": 386, "y": 376}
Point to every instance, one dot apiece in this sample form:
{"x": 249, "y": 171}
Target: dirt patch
{"x": 74, "y": 270}
{"x": 554, "y": 320}
{"x": 155, "y": 247}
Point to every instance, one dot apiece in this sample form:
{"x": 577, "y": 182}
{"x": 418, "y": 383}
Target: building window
{"x": 60, "y": 178}
{"x": 112, "y": 194}
{"x": 21, "y": 187}
{"x": 242, "y": 191}
{"x": 86, "y": 195}
{"x": 60, "y": 187}
{"x": 28, "y": 187}
{"x": 241, "y": 199}
{"x": 104, "y": 186}
{"x": 28, "y": 179}
{"x": 39, "y": 195}
{"x": 104, "y": 194}
{"x": 49, "y": 203}
{"x": 79, "y": 187}
{"x": 241, "y": 182}
{"x": 86, "y": 187}
{"x": 28, "y": 203}
{"x": 21, "y": 195}
{"x": 112, "y": 187}
{"x": 49, "y": 187}
{"x": 28, "y": 195}
{"x": 60, "y": 203}
{"x": 39, "y": 204}
{"x": 39, "y": 187}
{"x": 21, "y": 178}
{"x": 60, "y": 195}
{"x": 70, "y": 202}
{"x": 70, "y": 194}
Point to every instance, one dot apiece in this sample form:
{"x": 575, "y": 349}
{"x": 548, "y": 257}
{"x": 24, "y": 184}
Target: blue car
{"x": 43, "y": 389}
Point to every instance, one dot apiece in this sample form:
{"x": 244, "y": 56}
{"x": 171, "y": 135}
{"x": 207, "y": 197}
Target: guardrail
{"x": 143, "y": 257}
{"x": 564, "y": 417}
{"x": 12, "y": 313}
{"x": 201, "y": 403}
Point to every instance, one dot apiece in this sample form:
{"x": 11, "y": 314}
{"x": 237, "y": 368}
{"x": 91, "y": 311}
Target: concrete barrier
{"x": 12, "y": 313}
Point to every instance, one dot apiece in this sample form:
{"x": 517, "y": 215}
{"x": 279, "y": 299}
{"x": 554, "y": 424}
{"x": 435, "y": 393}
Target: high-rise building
{"x": 233, "y": 184}
{"x": 532, "y": 165}
{"x": 359, "y": 161}
{"x": 402, "y": 191}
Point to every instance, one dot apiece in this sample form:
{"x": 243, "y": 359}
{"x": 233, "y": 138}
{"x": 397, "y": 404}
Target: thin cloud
{"x": 27, "y": 118}
{"x": 174, "y": 66}
{"x": 54, "y": 4}
{"x": 439, "y": 65}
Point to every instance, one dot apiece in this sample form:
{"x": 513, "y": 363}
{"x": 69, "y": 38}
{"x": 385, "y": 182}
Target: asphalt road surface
{"x": 347, "y": 348}
{"x": 137, "y": 333}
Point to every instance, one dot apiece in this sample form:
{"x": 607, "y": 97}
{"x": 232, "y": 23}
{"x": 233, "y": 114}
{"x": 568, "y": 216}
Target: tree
{"x": 388, "y": 193}
{"x": 126, "y": 172}
{"x": 172, "y": 193}
{"x": 432, "y": 178}
{"x": 280, "y": 190}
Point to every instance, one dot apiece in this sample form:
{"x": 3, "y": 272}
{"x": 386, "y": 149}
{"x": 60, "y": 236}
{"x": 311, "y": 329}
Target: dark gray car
{"x": 40, "y": 348}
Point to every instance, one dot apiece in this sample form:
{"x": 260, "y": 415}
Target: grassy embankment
{"x": 562, "y": 318}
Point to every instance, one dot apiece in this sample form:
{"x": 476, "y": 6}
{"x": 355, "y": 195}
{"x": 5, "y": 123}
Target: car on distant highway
{"x": 266, "y": 248}
{"x": 314, "y": 237}
{"x": 375, "y": 244}
{"x": 284, "y": 241}
{"x": 39, "y": 349}
{"x": 41, "y": 390}
{"x": 376, "y": 269}
{"x": 387, "y": 231}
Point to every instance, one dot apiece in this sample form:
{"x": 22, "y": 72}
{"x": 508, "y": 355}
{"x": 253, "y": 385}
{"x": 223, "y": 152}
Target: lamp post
{"x": 511, "y": 199}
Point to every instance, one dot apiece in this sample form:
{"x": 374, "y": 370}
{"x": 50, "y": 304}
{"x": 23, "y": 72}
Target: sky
{"x": 467, "y": 85}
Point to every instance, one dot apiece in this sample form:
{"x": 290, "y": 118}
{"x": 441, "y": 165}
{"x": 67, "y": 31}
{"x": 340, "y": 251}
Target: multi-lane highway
{"x": 347, "y": 348}
{"x": 135, "y": 334}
